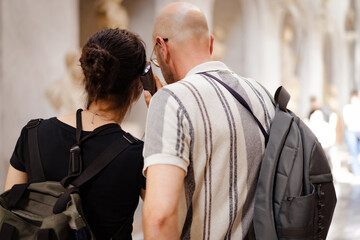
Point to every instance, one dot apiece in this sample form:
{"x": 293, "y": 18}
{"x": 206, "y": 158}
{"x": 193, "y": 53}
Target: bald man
{"x": 202, "y": 148}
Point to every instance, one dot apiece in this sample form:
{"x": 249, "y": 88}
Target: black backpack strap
{"x": 16, "y": 193}
{"x": 7, "y": 232}
{"x": 60, "y": 204}
{"x": 95, "y": 167}
{"x": 242, "y": 101}
{"x": 35, "y": 168}
{"x": 75, "y": 163}
{"x": 78, "y": 125}
{"x": 103, "y": 160}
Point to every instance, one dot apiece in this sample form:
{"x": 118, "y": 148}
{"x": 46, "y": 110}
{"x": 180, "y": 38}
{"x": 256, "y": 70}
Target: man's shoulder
{"x": 177, "y": 88}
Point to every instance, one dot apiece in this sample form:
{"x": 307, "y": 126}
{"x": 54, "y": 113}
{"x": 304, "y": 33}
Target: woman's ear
{"x": 211, "y": 43}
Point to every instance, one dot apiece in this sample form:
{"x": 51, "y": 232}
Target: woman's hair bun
{"x": 112, "y": 61}
{"x": 93, "y": 61}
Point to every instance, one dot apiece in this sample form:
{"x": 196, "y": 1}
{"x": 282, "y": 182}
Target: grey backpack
{"x": 295, "y": 196}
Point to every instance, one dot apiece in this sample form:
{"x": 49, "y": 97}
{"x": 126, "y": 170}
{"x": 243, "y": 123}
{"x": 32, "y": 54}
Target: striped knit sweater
{"x": 197, "y": 125}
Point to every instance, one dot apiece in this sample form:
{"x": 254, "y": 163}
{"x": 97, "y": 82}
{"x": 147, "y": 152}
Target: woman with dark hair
{"x": 112, "y": 61}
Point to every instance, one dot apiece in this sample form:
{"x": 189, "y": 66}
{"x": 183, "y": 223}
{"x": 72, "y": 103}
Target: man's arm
{"x": 160, "y": 211}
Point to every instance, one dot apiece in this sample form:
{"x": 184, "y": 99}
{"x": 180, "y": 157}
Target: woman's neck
{"x": 95, "y": 116}
{"x": 100, "y": 113}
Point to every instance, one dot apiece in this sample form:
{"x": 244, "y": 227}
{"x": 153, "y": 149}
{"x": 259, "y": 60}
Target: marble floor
{"x": 346, "y": 219}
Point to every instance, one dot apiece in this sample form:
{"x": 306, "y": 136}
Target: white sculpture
{"x": 111, "y": 14}
{"x": 67, "y": 93}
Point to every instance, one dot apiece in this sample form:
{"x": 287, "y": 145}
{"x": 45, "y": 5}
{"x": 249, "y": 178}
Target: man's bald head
{"x": 189, "y": 42}
{"x": 181, "y": 21}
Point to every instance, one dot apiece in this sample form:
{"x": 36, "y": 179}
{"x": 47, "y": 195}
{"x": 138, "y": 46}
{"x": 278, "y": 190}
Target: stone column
{"x": 357, "y": 48}
{"x": 34, "y": 37}
{"x": 336, "y": 12}
{"x": 311, "y": 72}
{"x": 270, "y": 24}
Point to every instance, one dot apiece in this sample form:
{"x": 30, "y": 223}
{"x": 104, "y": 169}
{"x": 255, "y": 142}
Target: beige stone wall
{"x": 35, "y": 35}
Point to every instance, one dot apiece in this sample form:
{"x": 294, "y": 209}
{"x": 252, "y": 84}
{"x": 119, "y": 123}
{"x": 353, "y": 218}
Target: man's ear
{"x": 211, "y": 43}
{"x": 163, "y": 48}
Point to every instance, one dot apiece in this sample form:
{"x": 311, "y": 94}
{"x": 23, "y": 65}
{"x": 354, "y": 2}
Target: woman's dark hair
{"x": 112, "y": 60}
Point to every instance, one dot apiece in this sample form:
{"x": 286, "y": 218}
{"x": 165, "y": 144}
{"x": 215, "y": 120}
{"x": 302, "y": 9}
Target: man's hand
{"x": 147, "y": 94}
{"x": 160, "y": 211}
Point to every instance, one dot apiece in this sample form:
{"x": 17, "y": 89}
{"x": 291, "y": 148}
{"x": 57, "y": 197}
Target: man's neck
{"x": 186, "y": 65}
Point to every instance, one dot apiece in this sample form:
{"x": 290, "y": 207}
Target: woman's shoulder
{"x": 37, "y": 122}
{"x": 54, "y": 124}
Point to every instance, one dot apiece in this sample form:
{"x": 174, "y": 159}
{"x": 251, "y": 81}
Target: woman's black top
{"x": 111, "y": 197}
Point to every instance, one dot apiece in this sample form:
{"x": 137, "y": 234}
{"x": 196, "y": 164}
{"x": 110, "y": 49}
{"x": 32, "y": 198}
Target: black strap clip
{"x": 75, "y": 159}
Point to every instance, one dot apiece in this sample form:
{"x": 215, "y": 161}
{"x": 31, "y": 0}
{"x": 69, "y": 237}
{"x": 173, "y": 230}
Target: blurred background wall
{"x": 310, "y": 47}
{"x": 34, "y": 37}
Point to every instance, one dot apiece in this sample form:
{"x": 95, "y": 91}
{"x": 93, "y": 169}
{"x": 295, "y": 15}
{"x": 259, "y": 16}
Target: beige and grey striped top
{"x": 197, "y": 125}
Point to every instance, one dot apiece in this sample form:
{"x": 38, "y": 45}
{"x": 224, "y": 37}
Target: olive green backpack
{"x": 46, "y": 210}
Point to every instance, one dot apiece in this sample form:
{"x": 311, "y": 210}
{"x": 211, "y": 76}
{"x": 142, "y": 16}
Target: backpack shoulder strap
{"x": 101, "y": 161}
{"x": 264, "y": 222}
{"x": 264, "y": 219}
{"x": 76, "y": 164}
{"x": 241, "y": 101}
{"x": 95, "y": 167}
{"x": 35, "y": 168}
{"x": 104, "y": 159}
